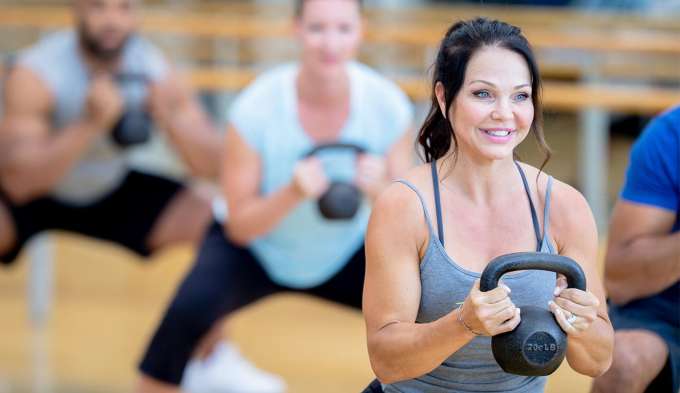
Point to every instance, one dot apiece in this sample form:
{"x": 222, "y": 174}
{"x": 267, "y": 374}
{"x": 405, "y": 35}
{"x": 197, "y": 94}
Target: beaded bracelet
{"x": 465, "y": 325}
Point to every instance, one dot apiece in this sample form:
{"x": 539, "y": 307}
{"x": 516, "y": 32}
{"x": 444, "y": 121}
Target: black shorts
{"x": 224, "y": 278}
{"x": 125, "y": 216}
{"x": 660, "y": 315}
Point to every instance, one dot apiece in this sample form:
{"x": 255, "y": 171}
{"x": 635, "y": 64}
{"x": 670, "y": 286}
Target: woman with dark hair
{"x": 430, "y": 235}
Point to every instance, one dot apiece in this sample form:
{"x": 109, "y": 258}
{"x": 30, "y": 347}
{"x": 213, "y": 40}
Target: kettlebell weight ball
{"x": 134, "y": 125}
{"x": 537, "y": 346}
{"x": 342, "y": 199}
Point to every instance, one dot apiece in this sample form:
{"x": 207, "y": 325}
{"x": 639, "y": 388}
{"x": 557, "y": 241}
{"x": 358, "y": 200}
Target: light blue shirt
{"x": 305, "y": 249}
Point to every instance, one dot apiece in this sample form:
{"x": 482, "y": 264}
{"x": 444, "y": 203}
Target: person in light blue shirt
{"x": 276, "y": 238}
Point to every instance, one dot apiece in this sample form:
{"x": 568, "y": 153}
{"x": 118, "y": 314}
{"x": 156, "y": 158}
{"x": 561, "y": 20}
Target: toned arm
{"x": 575, "y": 233}
{"x": 34, "y": 158}
{"x": 177, "y": 110}
{"x": 398, "y": 347}
{"x": 643, "y": 257}
{"x": 251, "y": 214}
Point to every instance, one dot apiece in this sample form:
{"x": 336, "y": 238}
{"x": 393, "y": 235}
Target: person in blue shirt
{"x": 642, "y": 273}
{"x": 275, "y": 238}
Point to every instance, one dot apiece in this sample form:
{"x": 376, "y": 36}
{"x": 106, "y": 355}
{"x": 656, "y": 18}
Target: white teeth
{"x": 498, "y": 133}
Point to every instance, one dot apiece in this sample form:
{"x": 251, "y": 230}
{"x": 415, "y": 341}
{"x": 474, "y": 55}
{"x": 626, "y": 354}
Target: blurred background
{"x": 75, "y": 313}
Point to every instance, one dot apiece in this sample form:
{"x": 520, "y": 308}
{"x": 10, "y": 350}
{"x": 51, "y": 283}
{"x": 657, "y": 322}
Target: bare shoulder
{"x": 537, "y": 180}
{"x": 564, "y": 197}
{"x": 400, "y": 198}
{"x": 568, "y": 199}
{"x": 570, "y": 210}
{"x": 399, "y": 208}
{"x": 570, "y": 214}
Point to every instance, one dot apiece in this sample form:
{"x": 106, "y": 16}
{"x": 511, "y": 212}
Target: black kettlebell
{"x": 538, "y": 344}
{"x": 342, "y": 199}
{"x": 134, "y": 125}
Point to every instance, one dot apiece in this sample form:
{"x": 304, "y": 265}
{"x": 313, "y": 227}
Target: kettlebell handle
{"x": 132, "y": 77}
{"x": 335, "y": 146}
{"x": 125, "y": 77}
{"x": 532, "y": 261}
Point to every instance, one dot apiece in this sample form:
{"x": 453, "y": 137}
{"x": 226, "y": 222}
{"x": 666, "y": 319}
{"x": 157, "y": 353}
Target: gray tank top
{"x": 57, "y": 61}
{"x": 444, "y": 286}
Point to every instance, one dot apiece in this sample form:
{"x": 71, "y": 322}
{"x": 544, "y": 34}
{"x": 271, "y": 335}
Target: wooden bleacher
{"x": 420, "y": 32}
{"x": 232, "y": 25}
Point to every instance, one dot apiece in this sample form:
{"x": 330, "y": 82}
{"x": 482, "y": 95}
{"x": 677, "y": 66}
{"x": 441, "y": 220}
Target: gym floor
{"x": 106, "y": 304}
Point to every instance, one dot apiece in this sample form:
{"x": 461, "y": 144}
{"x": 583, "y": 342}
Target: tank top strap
{"x": 437, "y": 201}
{"x": 546, "y": 211}
{"x": 534, "y": 216}
{"x": 422, "y": 202}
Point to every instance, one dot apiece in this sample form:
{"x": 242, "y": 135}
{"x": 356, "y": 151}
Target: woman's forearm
{"x": 591, "y": 353}
{"x": 402, "y": 350}
{"x": 261, "y": 215}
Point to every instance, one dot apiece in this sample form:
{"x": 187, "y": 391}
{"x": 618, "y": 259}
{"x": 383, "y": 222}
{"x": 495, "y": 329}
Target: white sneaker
{"x": 227, "y": 371}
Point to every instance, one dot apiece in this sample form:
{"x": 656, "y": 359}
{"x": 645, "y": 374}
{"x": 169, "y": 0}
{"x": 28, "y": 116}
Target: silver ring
{"x": 572, "y": 319}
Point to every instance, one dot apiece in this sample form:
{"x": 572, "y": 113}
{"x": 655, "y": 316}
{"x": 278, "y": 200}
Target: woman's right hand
{"x": 309, "y": 178}
{"x": 490, "y": 313}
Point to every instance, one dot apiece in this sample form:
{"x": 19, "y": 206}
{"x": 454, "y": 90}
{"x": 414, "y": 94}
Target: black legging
{"x": 225, "y": 278}
{"x": 374, "y": 387}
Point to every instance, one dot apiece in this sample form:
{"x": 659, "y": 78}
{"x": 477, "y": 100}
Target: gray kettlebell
{"x": 342, "y": 199}
{"x": 134, "y": 125}
{"x": 538, "y": 344}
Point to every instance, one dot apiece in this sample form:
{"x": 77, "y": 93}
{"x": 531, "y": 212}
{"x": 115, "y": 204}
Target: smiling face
{"x": 329, "y": 32}
{"x": 105, "y": 25}
{"x": 493, "y": 110}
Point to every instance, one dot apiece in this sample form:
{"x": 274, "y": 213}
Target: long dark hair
{"x": 461, "y": 41}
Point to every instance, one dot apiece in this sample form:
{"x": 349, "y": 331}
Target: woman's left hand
{"x": 575, "y": 310}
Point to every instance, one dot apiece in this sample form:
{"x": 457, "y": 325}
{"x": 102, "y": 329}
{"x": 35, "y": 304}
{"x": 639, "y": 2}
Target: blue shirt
{"x": 305, "y": 249}
{"x": 653, "y": 176}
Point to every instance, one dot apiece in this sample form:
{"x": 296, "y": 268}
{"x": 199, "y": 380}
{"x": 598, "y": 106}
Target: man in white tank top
{"x": 63, "y": 163}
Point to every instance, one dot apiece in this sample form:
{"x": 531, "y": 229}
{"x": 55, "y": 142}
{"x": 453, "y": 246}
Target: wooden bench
{"x": 427, "y": 33}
